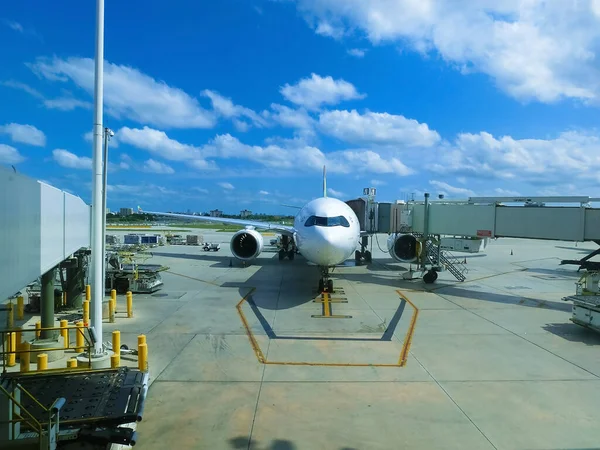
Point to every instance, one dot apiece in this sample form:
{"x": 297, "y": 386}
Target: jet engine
{"x": 246, "y": 244}
{"x": 403, "y": 247}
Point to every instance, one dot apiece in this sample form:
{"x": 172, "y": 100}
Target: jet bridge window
{"x": 327, "y": 221}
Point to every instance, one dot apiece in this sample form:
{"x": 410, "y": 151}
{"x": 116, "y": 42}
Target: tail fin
{"x": 324, "y": 181}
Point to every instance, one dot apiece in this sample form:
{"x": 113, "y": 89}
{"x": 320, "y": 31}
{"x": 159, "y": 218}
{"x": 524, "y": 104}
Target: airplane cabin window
{"x": 327, "y": 221}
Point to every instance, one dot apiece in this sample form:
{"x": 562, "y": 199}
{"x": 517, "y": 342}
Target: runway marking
{"x": 387, "y": 335}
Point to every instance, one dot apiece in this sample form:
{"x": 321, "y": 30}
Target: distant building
{"x": 216, "y": 213}
{"x": 107, "y": 210}
{"x": 245, "y": 213}
{"x": 126, "y": 211}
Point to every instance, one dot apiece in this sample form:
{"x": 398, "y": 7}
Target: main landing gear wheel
{"x": 291, "y": 254}
{"x": 430, "y": 277}
{"x": 281, "y": 255}
{"x": 359, "y": 256}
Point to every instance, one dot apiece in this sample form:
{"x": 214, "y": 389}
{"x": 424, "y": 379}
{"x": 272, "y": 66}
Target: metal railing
{"x": 6, "y": 352}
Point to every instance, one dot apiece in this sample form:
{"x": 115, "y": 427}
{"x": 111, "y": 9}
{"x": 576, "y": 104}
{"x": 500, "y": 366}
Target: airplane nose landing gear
{"x": 325, "y": 283}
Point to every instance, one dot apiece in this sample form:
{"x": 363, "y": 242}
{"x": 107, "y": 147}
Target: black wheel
{"x": 357, "y": 256}
{"x": 321, "y": 286}
{"x": 291, "y": 255}
{"x": 330, "y": 286}
{"x": 281, "y": 255}
{"x": 368, "y": 256}
{"x": 430, "y": 277}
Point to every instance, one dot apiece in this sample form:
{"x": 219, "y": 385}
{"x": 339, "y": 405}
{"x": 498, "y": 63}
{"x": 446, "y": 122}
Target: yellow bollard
{"x": 116, "y": 344}
{"x": 64, "y": 331}
{"x": 79, "y": 340}
{"x": 143, "y": 357}
{"x": 141, "y": 339}
{"x": 25, "y": 356}
{"x": 20, "y": 308}
{"x": 19, "y": 340}
{"x": 129, "y": 304}
{"x": 114, "y": 361}
{"x": 38, "y": 329}
{"x": 111, "y": 310}
{"x": 10, "y": 318}
{"x": 86, "y": 313}
{"x": 113, "y": 295}
{"x": 88, "y": 292}
{"x": 64, "y": 301}
{"x": 72, "y": 363}
{"x": 11, "y": 346}
{"x": 42, "y": 361}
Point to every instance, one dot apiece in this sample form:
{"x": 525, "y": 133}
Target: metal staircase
{"x": 450, "y": 262}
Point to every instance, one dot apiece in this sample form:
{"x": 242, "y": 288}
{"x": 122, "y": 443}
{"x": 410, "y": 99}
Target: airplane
{"x": 326, "y": 232}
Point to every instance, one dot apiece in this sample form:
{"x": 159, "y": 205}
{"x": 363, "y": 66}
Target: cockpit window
{"x": 327, "y": 221}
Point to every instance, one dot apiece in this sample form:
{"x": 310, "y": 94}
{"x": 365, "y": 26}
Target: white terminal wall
{"x": 40, "y": 226}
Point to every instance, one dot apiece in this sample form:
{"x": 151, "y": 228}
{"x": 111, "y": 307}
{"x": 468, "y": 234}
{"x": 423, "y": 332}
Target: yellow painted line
{"x": 255, "y": 346}
{"x": 261, "y": 357}
{"x": 326, "y": 305}
{"x": 409, "y": 333}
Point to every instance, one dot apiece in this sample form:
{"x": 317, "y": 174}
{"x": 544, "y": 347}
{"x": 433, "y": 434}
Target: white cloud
{"x": 291, "y": 118}
{"x": 505, "y": 192}
{"x": 70, "y": 160}
{"x": 67, "y": 104}
{"x": 22, "y": 86}
{"x": 365, "y": 161}
{"x": 528, "y": 160}
{"x": 378, "y": 183}
{"x": 129, "y": 93}
{"x": 226, "y": 108}
{"x": 153, "y": 166}
{"x": 316, "y": 91}
{"x": 227, "y": 186}
{"x": 447, "y": 189}
{"x": 264, "y": 193}
{"x": 159, "y": 143}
{"x": 15, "y": 26}
{"x": 335, "y": 193}
{"x": 533, "y": 49}
{"x": 26, "y": 134}
{"x": 357, "y": 52}
{"x": 10, "y": 155}
{"x": 376, "y": 128}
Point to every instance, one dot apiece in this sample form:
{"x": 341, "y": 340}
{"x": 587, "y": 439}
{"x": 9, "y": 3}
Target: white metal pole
{"x": 104, "y": 194}
{"x": 97, "y": 257}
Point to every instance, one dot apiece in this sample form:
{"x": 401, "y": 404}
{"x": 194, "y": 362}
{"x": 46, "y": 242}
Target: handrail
{"x": 36, "y": 425}
{"x": 88, "y": 343}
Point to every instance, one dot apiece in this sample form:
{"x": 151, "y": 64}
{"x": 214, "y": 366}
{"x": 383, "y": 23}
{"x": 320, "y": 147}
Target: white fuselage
{"x": 326, "y": 231}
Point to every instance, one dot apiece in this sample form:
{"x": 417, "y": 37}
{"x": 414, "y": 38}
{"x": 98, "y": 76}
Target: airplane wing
{"x": 285, "y": 229}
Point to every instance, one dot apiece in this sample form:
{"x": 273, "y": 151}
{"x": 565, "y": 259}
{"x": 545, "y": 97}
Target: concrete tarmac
{"x": 489, "y": 363}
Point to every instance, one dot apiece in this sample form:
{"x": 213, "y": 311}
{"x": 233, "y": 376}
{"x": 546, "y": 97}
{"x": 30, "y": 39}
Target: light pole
{"x": 97, "y": 213}
{"x": 108, "y": 133}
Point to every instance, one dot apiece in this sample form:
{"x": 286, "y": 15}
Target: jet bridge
{"x": 40, "y": 226}
{"x": 416, "y": 227}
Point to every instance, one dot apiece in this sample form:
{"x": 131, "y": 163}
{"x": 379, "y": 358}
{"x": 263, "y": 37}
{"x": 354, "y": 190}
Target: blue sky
{"x": 238, "y": 103}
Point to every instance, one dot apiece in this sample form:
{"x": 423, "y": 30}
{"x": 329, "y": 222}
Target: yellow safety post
{"x": 64, "y": 331}
{"x": 88, "y": 292}
{"x": 114, "y": 361}
{"x": 20, "y": 308}
{"x": 11, "y": 344}
{"x": 19, "y": 340}
{"x": 113, "y": 295}
{"x": 64, "y": 300}
{"x": 72, "y": 363}
{"x": 111, "y": 310}
{"x": 25, "y": 356}
{"x": 86, "y": 312}
{"x": 42, "y": 361}
{"x": 79, "y": 337}
{"x": 143, "y": 357}
{"x": 38, "y": 329}
{"x": 141, "y": 339}
{"x": 116, "y": 345}
{"x": 129, "y": 304}
{"x": 10, "y": 318}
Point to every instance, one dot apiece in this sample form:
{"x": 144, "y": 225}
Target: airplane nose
{"x": 329, "y": 248}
